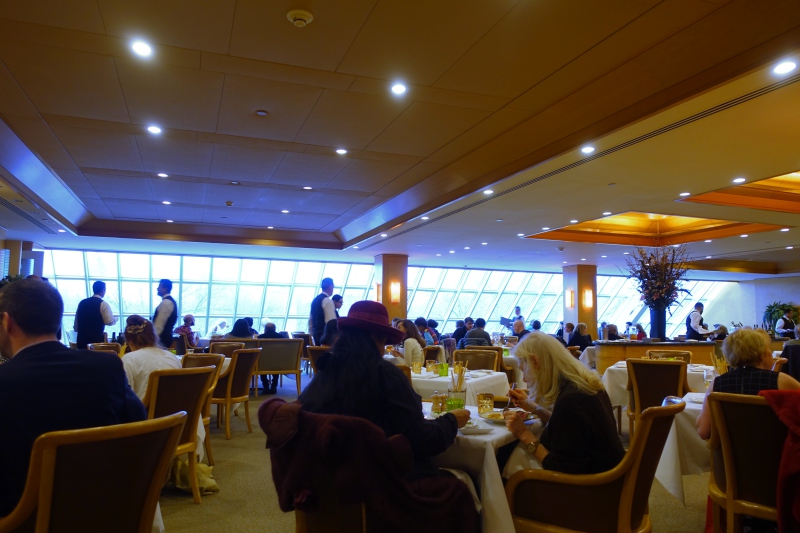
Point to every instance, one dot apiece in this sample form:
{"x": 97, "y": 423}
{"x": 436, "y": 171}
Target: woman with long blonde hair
{"x": 581, "y": 436}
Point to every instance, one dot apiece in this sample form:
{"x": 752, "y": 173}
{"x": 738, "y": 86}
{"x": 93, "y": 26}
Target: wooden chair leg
{"x": 619, "y": 420}
{"x": 247, "y": 416}
{"x": 207, "y": 445}
{"x": 228, "y": 421}
{"x": 631, "y": 424}
{"x": 193, "y": 476}
{"x": 219, "y": 413}
{"x": 254, "y": 384}
{"x": 298, "y": 384}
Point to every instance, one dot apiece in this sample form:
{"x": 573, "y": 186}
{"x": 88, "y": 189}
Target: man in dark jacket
{"x": 270, "y": 332}
{"x": 85, "y": 389}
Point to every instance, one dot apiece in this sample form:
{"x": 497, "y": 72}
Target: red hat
{"x": 372, "y": 317}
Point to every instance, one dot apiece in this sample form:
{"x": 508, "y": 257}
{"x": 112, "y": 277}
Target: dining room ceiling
{"x": 492, "y": 89}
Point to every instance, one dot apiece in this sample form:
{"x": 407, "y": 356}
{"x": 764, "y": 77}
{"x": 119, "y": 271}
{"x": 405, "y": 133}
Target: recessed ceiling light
{"x": 564, "y": 262}
{"x": 488, "y": 191}
{"x": 573, "y": 221}
{"x": 234, "y": 183}
{"x": 606, "y": 213}
{"x": 270, "y": 227}
{"x": 341, "y": 151}
{"x": 356, "y": 247}
{"x": 785, "y": 229}
{"x": 583, "y": 259}
{"x": 587, "y": 149}
{"x": 789, "y": 247}
{"x": 154, "y": 129}
{"x": 438, "y": 255}
{"x": 685, "y": 194}
{"x": 604, "y": 256}
{"x": 307, "y": 188}
{"x": 499, "y": 219}
{"x": 545, "y": 228}
{"x": 169, "y": 221}
{"x": 626, "y": 253}
{"x": 384, "y": 235}
{"x": 452, "y": 251}
{"x": 162, "y": 175}
{"x": 425, "y": 218}
{"x": 262, "y": 112}
{"x": 743, "y": 236}
{"x": 708, "y": 257}
{"x": 166, "y": 202}
{"x": 284, "y": 211}
{"x": 484, "y": 243}
{"x": 466, "y": 247}
{"x": 739, "y": 180}
{"x": 398, "y": 88}
{"x": 520, "y": 234}
{"x": 676, "y": 245}
{"x": 141, "y": 48}
{"x": 784, "y": 67}
{"x": 62, "y": 231}
{"x": 708, "y": 240}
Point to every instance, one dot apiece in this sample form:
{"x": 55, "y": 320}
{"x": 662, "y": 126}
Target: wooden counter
{"x": 608, "y": 353}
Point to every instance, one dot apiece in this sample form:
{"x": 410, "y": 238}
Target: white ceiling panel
{"x": 349, "y": 120}
{"x": 132, "y": 210}
{"x": 175, "y": 156}
{"x": 100, "y": 149}
{"x": 366, "y": 175}
{"x": 288, "y": 105}
{"x": 301, "y": 221}
{"x": 195, "y": 24}
{"x": 225, "y": 216}
{"x": 308, "y": 170}
{"x": 178, "y": 191}
{"x": 244, "y": 163}
{"x": 179, "y": 213}
{"x": 97, "y": 208}
{"x": 242, "y": 197}
{"x": 306, "y": 201}
{"x": 66, "y": 82}
{"x": 81, "y": 15}
{"x": 120, "y": 187}
{"x": 170, "y": 96}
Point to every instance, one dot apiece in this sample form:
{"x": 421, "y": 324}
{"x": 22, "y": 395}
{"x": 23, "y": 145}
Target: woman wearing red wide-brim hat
{"x": 354, "y": 379}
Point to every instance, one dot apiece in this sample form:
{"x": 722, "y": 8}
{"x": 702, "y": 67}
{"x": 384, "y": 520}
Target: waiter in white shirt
{"x": 785, "y": 325}
{"x": 694, "y": 324}
{"x": 323, "y": 310}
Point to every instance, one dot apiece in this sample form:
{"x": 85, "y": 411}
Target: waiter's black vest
{"x": 691, "y": 333}
{"x": 317, "y": 318}
{"x": 166, "y": 333}
{"x": 90, "y": 322}
{"x": 788, "y": 324}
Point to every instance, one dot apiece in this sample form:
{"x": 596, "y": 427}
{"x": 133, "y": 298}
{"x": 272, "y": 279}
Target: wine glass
{"x": 708, "y": 376}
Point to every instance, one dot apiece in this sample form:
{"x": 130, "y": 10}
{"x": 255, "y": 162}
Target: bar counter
{"x": 609, "y": 352}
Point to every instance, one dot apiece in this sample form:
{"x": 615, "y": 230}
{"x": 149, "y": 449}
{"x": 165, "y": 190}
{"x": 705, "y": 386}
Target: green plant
{"x": 659, "y": 273}
{"x": 775, "y": 310}
{"x": 10, "y": 279}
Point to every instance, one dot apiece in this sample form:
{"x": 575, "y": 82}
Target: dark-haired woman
{"x": 145, "y": 356}
{"x": 241, "y": 330}
{"x": 354, "y": 379}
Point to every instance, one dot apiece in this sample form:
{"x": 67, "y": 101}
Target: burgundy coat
{"x": 786, "y": 405}
{"x": 366, "y": 467}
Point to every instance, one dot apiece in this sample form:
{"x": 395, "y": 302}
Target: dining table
{"x": 477, "y": 456}
{"x": 476, "y": 382}
{"x": 615, "y": 380}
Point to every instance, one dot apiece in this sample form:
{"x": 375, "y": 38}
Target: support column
{"x": 581, "y": 281}
{"x": 391, "y": 283}
{"x": 15, "y": 260}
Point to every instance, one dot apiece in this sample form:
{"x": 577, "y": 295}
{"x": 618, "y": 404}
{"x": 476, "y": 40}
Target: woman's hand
{"x": 520, "y": 399}
{"x": 514, "y": 423}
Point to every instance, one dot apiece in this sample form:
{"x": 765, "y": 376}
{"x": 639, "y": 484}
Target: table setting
{"x": 427, "y": 382}
{"x": 615, "y": 380}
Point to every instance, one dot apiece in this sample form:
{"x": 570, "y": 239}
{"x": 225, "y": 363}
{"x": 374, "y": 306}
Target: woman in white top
{"x": 145, "y": 356}
{"x": 412, "y": 345}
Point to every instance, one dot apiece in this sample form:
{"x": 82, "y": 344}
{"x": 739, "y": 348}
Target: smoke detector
{"x": 300, "y": 17}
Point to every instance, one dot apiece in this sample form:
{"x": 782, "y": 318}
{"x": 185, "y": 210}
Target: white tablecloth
{"x": 615, "y": 379}
{"x": 587, "y": 358}
{"x": 476, "y": 455}
{"x": 426, "y": 384}
{"x": 684, "y": 452}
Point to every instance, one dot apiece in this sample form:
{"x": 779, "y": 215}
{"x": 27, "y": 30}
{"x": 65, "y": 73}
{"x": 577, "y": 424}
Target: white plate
{"x": 478, "y": 430}
{"x": 500, "y": 420}
{"x": 621, "y": 364}
{"x": 694, "y": 400}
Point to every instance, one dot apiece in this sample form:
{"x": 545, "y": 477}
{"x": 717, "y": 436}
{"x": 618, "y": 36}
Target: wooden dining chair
{"x": 498, "y": 361}
{"x": 181, "y": 389}
{"x": 314, "y": 353}
{"x": 431, "y": 352}
{"x": 196, "y": 361}
{"x": 478, "y": 359}
{"x": 778, "y": 364}
{"x": 281, "y": 357}
{"x": 683, "y": 355}
{"x": 747, "y": 440}
{"x": 233, "y": 387}
{"x": 649, "y": 382}
{"x": 406, "y": 371}
{"x": 308, "y": 340}
{"x": 120, "y": 470}
{"x": 718, "y": 359}
{"x": 224, "y": 347}
{"x": 612, "y": 501}
{"x": 116, "y": 347}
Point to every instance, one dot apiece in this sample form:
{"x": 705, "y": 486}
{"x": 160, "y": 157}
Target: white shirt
{"x": 163, "y": 312}
{"x": 141, "y": 363}
{"x": 697, "y": 319}
{"x": 105, "y": 311}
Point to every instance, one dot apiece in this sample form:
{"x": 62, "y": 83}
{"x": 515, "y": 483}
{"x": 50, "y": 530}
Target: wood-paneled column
{"x": 580, "y": 286}
{"x": 391, "y": 283}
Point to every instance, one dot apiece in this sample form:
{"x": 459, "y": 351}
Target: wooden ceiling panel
{"x": 442, "y": 32}
{"x": 38, "y": 136}
{"x": 367, "y": 176}
{"x": 81, "y": 15}
{"x": 262, "y": 31}
{"x": 124, "y": 209}
{"x": 204, "y": 25}
{"x": 244, "y": 163}
{"x": 242, "y": 197}
{"x": 77, "y": 182}
{"x": 531, "y": 42}
{"x": 423, "y": 128}
{"x": 177, "y": 191}
{"x": 170, "y": 96}
{"x": 300, "y": 221}
{"x": 66, "y": 82}
{"x": 349, "y": 120}
{"x": 407, "y": 179}
{"x": 288, "y": 105}
{"x": 362, "y": 207}
{"x": 13, "y": 100}
{"x": 119, "y": 187}
{"x": 100, "y": 149}
{"x": 175, "y": 156}
{"x": 308, "y": 170}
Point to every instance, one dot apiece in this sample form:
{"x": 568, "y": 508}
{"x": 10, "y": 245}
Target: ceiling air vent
{"x": 16, "y": 210}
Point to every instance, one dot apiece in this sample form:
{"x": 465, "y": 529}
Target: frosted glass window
{"x": 226, "y": 269}
{"x": 337, "y": 272}
{"x": 194, "y": 299}
{"x": 133, "y": 266}
{"x": 166, "y": 267}
{"x": 249, "y": 302}
{"x": 430, "y": 278}
{"x": 462, "y": 306}
{"x": 452, "y": 278}
{"x": 102, "y": 266}
{"x": 69, "y": 263}
{"x": 360, "y": 275}
{"x": 413, "y": 276}
{"x": 197, "y": 268}
{"x": 496, "y": 280}
{"x": 442, "y": 303}
{"x": 281, "y": 271}
{"x": 254, "y": 270}
{"x": 136, "y": 297}
{"x": 72, "y": 292}
{"x": 420, "y": 304}
{"x": 276, "y": 301}
{"x": 301, "y": 301}
{"x": 310, "y": 273}
{"x": 475, "y": 279}
{"x": 223, "y": 298}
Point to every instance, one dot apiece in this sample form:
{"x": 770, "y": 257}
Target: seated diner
{"x": 146, "y": 356}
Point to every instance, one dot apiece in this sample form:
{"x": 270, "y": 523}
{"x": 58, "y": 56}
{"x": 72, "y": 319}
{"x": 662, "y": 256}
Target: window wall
{"x": 218, "y": 288}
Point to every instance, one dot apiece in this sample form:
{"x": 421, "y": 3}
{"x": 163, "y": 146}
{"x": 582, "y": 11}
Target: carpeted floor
{"x": 247, "y": 501}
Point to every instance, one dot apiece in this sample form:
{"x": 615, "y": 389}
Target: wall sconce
{"x": 588, "y": 300}
{"x": 569, "y": 299}
{"x": 394, "y": 290}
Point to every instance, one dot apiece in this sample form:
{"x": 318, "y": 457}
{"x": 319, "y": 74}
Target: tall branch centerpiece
{"x": 659, "y": 273}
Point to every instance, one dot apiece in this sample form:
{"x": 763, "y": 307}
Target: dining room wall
{"x": 745, "y": 301}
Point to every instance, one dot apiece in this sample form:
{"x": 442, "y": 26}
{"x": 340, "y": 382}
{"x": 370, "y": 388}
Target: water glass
{"x": 430, "y": 365}
{"x": 444, "y": 370}
{"x": 189, "y": 350}
{"x": 708, "y": 376}
{"x": 456, "y": 399}
{"x": 485, "y": 402}
{"x": 457, "y": 365}
{"x": 416, "y": 367}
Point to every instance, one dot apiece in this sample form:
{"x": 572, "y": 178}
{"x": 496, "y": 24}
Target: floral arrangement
{"x": 659, "y": 272}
